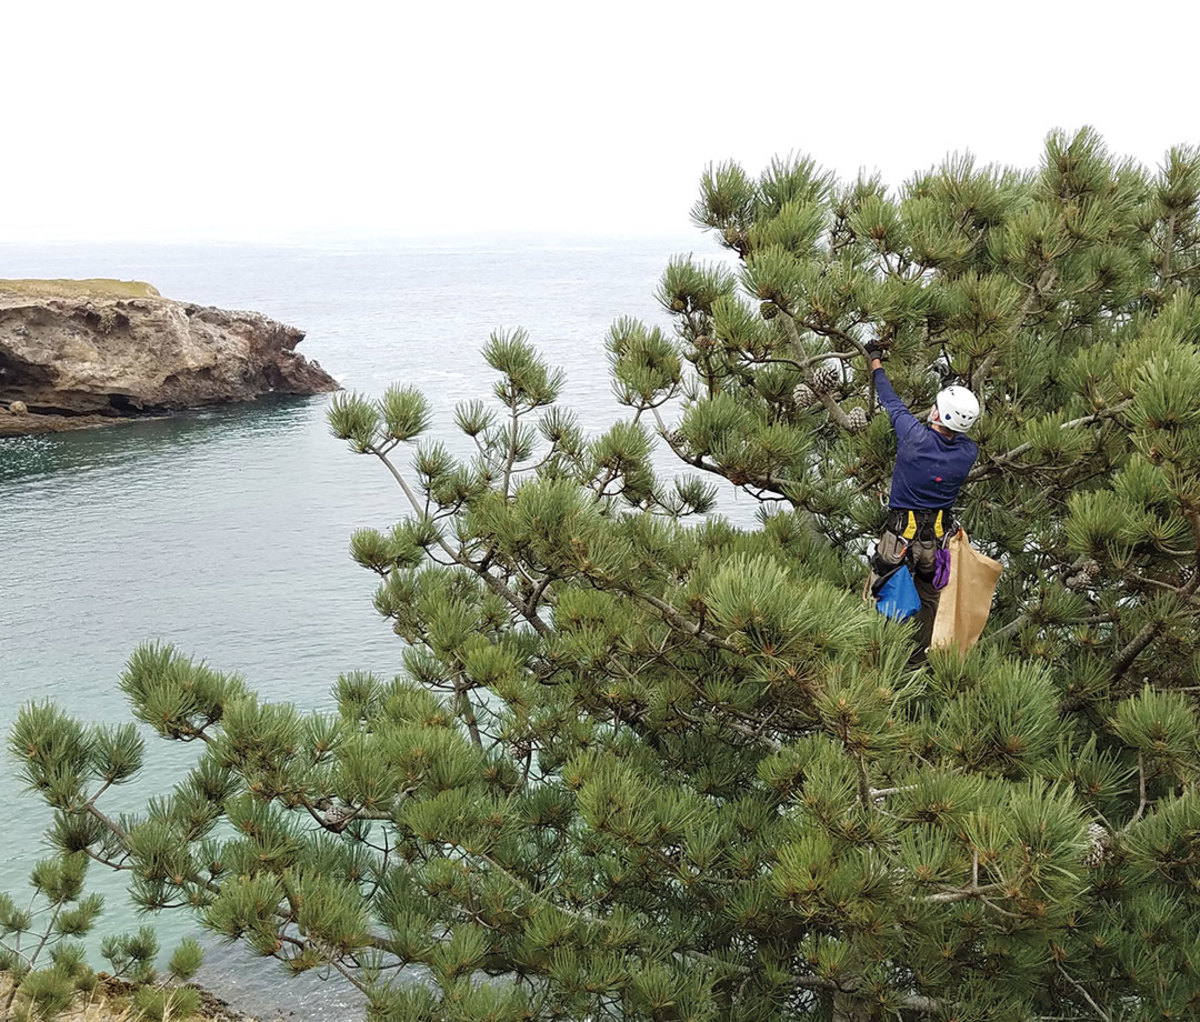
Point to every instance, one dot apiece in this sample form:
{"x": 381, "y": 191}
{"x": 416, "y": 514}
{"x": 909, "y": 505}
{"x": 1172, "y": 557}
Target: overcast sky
{"x": 175, "y": 119}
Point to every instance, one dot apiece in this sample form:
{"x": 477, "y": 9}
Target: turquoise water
{"x": 225, "y": 531}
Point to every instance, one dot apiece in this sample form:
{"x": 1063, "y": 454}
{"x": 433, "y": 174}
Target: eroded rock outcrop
{"x": 87, "y": 353}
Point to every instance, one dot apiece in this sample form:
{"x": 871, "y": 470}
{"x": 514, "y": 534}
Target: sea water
{"x": 225, "y": 531}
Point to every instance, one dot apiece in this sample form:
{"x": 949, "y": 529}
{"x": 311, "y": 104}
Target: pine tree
{"x": 641, "y": 763}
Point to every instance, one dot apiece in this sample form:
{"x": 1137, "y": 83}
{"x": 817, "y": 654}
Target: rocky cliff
{"x": 85, "y": 351}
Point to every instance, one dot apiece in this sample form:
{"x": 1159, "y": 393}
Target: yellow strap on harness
{"x": 910, "y": 527}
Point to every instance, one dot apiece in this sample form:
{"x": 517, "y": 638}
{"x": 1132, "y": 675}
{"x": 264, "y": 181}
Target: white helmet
{"x": 957, "y": 408}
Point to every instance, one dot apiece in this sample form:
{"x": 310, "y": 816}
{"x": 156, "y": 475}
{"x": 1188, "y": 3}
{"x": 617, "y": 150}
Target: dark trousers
{"x": 919, "y": 549}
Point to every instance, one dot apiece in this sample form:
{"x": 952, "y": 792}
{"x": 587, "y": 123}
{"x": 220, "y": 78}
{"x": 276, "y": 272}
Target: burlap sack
{"x": 966, "y": 601}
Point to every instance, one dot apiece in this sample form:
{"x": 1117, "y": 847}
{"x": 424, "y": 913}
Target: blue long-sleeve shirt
{"x": 930, "y": 468}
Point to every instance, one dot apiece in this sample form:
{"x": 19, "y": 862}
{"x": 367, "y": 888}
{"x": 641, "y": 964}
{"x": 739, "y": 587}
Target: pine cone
{"x": 858, "y": 420}
{"x": 1101, "y": 846}
{"x": 337, "y": 818}
{"x": 823, "y": 379}
{"x": 1083, "y": 578}
{"x": 676, "y": 438}
{"x": 769, "y": 310}
{"x": 1187, "y": 572}
{"x": 804, "y": 396}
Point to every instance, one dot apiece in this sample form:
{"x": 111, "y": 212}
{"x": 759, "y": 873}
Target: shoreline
{"x": 109, "y": 1001}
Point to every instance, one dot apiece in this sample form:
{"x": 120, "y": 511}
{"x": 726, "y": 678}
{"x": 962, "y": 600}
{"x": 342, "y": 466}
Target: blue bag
{"x": 898, "y": 597}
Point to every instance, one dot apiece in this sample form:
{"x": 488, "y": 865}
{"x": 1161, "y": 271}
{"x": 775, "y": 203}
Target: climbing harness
{"x": 922, "y": 525}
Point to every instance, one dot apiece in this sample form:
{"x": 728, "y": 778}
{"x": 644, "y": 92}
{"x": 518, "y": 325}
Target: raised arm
{"x": 903, "y": 421}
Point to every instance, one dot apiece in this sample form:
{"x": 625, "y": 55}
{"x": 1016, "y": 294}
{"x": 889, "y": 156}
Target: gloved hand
{"x": 874, "y": 351}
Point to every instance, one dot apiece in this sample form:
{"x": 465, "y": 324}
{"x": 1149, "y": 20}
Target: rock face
{"x": 87, "y": 354}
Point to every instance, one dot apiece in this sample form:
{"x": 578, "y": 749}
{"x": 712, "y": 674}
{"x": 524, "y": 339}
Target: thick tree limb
{"x": 835, "y": 410}
{"x": 917, "y": 1002}
{"x": 1009, "y": 630}
{"x": 979, "y": 377}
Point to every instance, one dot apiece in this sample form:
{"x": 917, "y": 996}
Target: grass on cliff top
{"x": 97, "y": 287}
{"x": 110, "y": 1001}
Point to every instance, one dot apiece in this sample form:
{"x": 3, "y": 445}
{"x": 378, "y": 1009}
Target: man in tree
{"x": 932, "y": 463}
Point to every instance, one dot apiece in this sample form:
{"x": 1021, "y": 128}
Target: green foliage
{"x": 176, "y": 696}
{"x": 160, "y": 1004}
{"x": 642, "y": 766}
{"x": 39, "y": 945}
{"x": 186, "y": 960}
{"x": 132, "y": 954}
{"x": 44, "y": 994}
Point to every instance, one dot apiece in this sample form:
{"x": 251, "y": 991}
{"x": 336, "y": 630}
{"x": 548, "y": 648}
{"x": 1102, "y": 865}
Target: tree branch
{"x": 909, "y": 1002}
{"x": 918, "y": 1002}
{"x": 1135, "y": 645}
{"x": 767, "y": 483}
{"x": 493, "y": 583}
{"x": 1164, "y": 269}
{"x": 826, "y": 331}
{"x": 683, "y": 624}
{"x": 979, "y": 377}
{"x": 1084, "y": 994}
{"x": 111, "y": 824}
{"x": 1142, "y": 800}
{"x": 1009, "y": 630}
{"x": 1005, "y": 459}
{"x": 835, "y": 410}
{"x": 1150, "y": 630}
